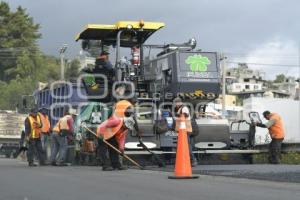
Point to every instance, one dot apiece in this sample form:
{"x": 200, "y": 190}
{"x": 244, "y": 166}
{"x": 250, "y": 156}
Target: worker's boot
{"x": 62, "y": 164}
{"x": 43, "y": 163}
{"x": 32, "y": 164}
{"x": 194, "y": 163}
{"x": 120, "y": 168}
{"x": 107, "y": 168}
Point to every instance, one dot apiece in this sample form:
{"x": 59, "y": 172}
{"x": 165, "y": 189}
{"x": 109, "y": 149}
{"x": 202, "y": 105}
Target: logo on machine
{"x": 90, "y": 81}
{"x": 198, "y": 63}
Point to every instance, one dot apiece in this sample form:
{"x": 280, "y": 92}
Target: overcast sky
{"x": 253, "y": 31}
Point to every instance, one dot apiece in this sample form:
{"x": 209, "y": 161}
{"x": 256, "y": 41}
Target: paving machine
{"x": 155, "y": 75}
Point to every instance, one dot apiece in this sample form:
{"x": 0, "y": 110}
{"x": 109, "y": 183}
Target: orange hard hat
{"x": 121, "y": 107}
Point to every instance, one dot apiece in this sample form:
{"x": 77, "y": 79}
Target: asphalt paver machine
{"x": 155, "y": 74}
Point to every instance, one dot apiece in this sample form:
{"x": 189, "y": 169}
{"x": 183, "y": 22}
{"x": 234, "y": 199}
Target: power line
{"x": 263, "y": 55}
{"x": 265, "y": 64}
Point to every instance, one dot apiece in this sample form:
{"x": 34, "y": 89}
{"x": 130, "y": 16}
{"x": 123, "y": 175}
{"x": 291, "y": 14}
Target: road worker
{"x": 103, "y": 61}
{"x": 277, "y": 133}
{"x": 114, "y": 131}
{"x": 181, "y": 109}
{"x": 45, "y": 134}
{"x": 59, "y": 139}
{"x": 33, "y": 129}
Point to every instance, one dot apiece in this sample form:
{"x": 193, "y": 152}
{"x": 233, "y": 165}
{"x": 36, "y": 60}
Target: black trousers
{"x": 275, "y": 151}
{"x": 104, "y": 150}
{"x": 35, "y": 149}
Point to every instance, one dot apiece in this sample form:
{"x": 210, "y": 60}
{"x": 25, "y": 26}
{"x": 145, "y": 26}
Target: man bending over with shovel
{"x": 114, "y": 131}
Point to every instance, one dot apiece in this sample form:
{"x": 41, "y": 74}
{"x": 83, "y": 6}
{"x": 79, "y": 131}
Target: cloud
{"x": 243, "y": 27}
{"x": 275, "y": 56}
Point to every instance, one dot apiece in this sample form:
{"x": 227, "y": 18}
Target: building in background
{"x": 244, "y": 82}
{"x": 289, "y": 86}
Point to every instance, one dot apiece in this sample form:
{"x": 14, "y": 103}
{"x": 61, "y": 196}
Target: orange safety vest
{"x": 56, "y": 128}
{"x": 277, "y": 129}
{"x": 35, "y": 123}
{"x": 118, "y": 130}
{"x": 45, "y": 122}
{"x": 188, "y": 123}
{"x": 117, "y": 117}
{"x": 109, "y": 132}
{"x": 63, "y": 123}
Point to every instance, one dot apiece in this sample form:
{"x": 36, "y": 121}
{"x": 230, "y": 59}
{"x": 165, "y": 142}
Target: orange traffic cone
{"x": 183, "y": 169}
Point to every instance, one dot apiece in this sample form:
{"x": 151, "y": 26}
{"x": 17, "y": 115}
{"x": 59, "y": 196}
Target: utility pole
{"x": 223, "y": 67}
{"x": 62, "y": 61}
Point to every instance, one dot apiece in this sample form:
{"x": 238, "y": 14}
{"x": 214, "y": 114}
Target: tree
{"x": 22, "y": 64}
{"x": 72, "y": 69}
{"x": 280, "y": 78}
{"x": 18, "y": 33}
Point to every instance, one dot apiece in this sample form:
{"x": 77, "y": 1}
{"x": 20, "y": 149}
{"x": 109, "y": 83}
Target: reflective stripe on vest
{"x": 56, "y": 128}
{"x": 276, "y": 130}
{"x": 63, "y": 123}
{"x": 119, "y": 114}
{"x": 188, "y": 123}
{"x": 109, "y": 132}
{"x": 45, "y": 123}
{"x": 34, "y": 124}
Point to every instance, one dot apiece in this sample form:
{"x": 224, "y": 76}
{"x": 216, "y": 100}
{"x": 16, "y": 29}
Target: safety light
{"x": 141, "y": 23}
{"x": 129, "y": 26}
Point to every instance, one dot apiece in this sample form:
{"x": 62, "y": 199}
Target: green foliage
{"x": 72, "y": 69}
{"x": 280, "y": 78}
{"x": 12, "y": 92}
{"x": 22, "y": 64}
{"x": 18, "y": 33}
{"x": 290, "y": 157}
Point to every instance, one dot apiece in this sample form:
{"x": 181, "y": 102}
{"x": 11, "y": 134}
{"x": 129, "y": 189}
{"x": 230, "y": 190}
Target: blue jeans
{"x": 45, "y": 145}
{"x": 59, "y": 144}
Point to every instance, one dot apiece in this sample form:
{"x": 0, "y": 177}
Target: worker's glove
{"x": 100, "y": 137}
{"x": 129, "y": 123}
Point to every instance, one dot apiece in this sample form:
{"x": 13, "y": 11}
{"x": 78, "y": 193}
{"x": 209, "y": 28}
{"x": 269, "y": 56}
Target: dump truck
{"x": 11, "y": 127}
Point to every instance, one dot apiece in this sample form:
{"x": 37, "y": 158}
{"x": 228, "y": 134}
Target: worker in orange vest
{"x": 114, "y": 131}
{"x": 276, "y": 131}
{"x": 59, "y": 139}
{"x": 45, "y": 134}
{"x": 33, "y": 129}
{"x": 181, "y": 109}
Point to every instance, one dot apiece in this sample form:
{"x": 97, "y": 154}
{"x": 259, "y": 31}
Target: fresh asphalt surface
{"x": 278, "y": 173}
{"x": 19, "y": 182}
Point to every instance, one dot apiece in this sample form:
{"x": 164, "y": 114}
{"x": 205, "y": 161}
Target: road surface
{"x": 19, "y": 182}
